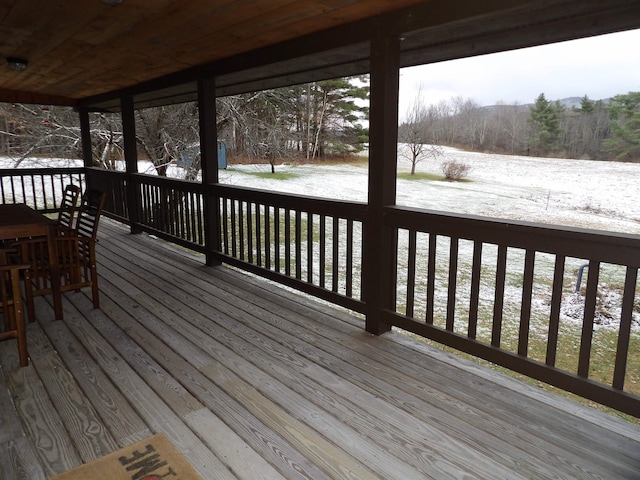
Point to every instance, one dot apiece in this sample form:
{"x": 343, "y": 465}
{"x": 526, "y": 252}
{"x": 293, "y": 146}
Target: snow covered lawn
{"x": 589, "y": 194}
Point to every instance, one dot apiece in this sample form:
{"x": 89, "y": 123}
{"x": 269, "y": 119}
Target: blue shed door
{"x": 222, "y": 155}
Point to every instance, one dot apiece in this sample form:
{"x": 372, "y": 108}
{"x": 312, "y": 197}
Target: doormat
{"x": 151, "y": 459}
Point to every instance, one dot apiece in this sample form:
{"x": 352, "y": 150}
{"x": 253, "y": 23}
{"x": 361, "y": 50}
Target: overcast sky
{"x": 599, "y": 67}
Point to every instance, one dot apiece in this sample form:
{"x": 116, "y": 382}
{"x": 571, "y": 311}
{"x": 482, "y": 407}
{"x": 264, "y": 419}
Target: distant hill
{"x": 568, "y": 103}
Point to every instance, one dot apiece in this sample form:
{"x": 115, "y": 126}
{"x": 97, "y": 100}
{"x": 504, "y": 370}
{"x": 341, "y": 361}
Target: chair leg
{"x": 28, "y": 294}
{"x": 15, "y": 314}
{"x": 22, "y": 341}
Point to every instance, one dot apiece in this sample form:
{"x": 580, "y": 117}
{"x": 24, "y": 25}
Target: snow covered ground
{"x": 584, "y": 193}
{"x": 589, "y": 194}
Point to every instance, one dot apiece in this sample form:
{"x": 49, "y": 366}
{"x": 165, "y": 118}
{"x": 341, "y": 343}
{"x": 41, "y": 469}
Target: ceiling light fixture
{"x": 17, "y": 64}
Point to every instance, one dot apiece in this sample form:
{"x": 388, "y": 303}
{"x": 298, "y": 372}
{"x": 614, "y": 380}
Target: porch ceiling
{"x": 91, "y": 51}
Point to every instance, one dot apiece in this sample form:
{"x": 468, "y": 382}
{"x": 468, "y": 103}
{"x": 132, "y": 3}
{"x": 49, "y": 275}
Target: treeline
{"x": 307, "y": 121}
{"x": 324, "y": 119}
{"x": 596, "y": 130}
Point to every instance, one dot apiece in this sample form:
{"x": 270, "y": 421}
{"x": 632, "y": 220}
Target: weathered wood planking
{"x": 334, "y": 426}
{"x": 534, "y": 443}
{"x": 251, "y": 381}
{"x": 20, "y": 461}
{"x": 42, "y": 425}
{"x": 123, "y": 367}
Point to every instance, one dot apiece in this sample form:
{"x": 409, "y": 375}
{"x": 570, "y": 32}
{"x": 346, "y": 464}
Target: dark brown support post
{"x": 379, "y": 245}
{"x": 85, "y": 137}
{"x": 209, "y": 165}
{"x": 131, "y": 161}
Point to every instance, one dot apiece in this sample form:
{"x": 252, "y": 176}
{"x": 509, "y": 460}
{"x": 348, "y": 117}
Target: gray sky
{"x": 599, "y": 67}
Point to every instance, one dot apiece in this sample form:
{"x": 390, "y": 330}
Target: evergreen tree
{"x": 331, "y": 115}
{"x": 624, "y": 111}
{"x": 587, "y": 105}
{"x": 545, "y": 125}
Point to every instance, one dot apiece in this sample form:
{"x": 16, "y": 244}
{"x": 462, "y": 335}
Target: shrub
{"x": 454, "y": 170}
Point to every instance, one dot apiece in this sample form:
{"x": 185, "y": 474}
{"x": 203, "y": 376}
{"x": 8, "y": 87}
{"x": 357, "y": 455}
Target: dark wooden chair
{"x": 76, "y": 253}
{"x": 11, "y": 307}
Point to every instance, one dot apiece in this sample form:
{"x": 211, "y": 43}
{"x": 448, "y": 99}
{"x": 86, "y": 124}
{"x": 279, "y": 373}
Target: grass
{"x": 271, "y": 176}
{"x": 420, "y": 176}
{"x": 431, "y": 177}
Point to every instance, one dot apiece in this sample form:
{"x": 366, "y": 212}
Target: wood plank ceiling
{"x": 77, "y": 49}
{"x": 91, "y": 51}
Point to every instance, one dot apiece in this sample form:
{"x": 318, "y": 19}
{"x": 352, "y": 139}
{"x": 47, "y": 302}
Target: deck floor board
{"x": 250, "y": 380}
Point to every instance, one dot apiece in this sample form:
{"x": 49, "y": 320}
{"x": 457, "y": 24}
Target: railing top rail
{"x": 98, "y": 170}
{"x": 166, "y": 181}
{"x": 619, "y": 248}
{"x": 17, "y": 172}
{"x": 340, "y": 208}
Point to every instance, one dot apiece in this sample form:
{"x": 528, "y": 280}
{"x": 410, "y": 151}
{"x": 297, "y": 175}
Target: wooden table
{"x": 20, "y": 221}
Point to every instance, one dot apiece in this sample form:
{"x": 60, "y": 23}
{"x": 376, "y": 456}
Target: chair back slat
{"x": 68, "y": 206}
{"x": 89, "y": 213}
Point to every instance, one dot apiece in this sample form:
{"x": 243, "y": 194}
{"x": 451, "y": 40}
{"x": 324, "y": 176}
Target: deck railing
{"x": 505, "y": 291}
{"x": 311, "y": 244}
{"x": 40, "y": 188}
{"x": 114, "y": 184}
{"x": 500, "y": 290}
{"x": 172, "y": 209}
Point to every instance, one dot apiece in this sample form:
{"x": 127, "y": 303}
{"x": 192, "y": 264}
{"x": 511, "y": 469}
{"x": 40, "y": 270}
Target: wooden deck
{"x": 250, "y": 381}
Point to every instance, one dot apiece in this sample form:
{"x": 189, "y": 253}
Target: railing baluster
{"x": 298, "y": 243}
{"x": 498, "y": 303}
{"x": 42, "y": 182}
{"x": 234, "y": 232}
{"x": 322, "y": 251}
{"x": 24, "y": 193}
{"x": 587, "y": 322}
{"x": 200, "y": 220}
{"x": 474, "y": 300}
{"x": 349, "y": 274}
{"x": 554, "y": 317}
{"x": 411, "y": 274}
{"x": 624, "y": 334}
{"x": 287, "y": 242}
{"x": 241, "y": 228}
{"x": 431, "y": 278}
{"x": 335, "y": 233}
{"x": 190, "y": 198}
{"x": 276, "y": 237}
{"x": 525, "y": 310}
{"x": 453, "y": 282}
{"x": 225, "y": 225}
{"x": 310, "y": 224}
{"x": 250, "y": 206}
{"x": 259, "y": 229}
{"x": 267, "y": 236}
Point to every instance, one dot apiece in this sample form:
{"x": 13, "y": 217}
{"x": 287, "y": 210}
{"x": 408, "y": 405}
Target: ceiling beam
{"x": 15, "y": 96}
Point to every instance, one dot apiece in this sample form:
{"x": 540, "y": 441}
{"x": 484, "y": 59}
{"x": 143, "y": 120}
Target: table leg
{"x": 55, "y": 272}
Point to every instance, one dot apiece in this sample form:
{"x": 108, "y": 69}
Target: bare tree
{"x": 170, "y": 134}
{"x": 418, "y": 132}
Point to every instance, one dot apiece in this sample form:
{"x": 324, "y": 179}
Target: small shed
{"x": 188, "y": 156}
